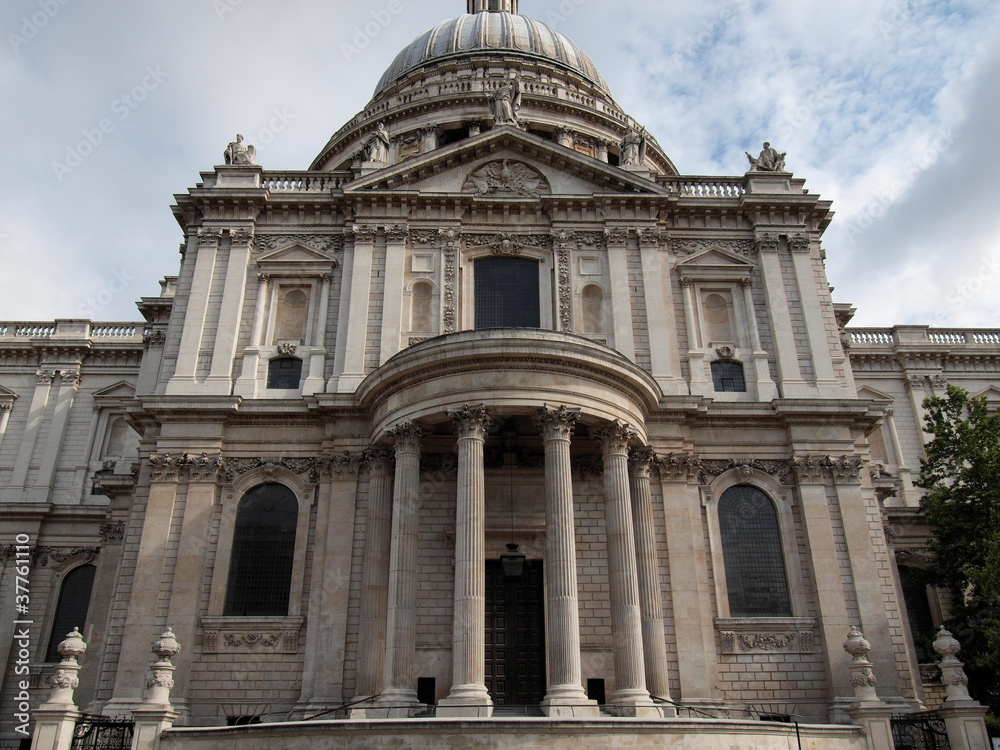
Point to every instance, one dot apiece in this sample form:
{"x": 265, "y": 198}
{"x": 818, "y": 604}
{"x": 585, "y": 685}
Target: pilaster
{"x": 766, "y": 388}
{"x": 791, "y": 384}
{"x": 659, "y": 315}
{"x": 68, "y": 387}
{"x": 700, "y": 385}
{"x": 819, "y": 345}
{"x": 392, "y": 304}
{"x": 315, "y": 382}
{"x": 184, "y": 378}
{"x": 352, "y": 329}
{"x": 246, "y": 384}
{"x": 36, "y": 413}
{"x": 621, "y": 293}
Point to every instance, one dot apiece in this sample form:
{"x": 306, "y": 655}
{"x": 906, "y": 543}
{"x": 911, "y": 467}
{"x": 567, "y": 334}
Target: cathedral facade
{"x": 490, "y": 410}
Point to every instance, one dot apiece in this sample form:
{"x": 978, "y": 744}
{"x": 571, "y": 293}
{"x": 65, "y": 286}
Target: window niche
{"x": 507, "y": 293}
{"x": 72, "y": 608}
{"x": 255, "y": 603}
{"x": 284, "y": 374}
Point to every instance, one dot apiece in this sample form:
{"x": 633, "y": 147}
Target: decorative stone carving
{"x": 617, "y": 236}
{"x": 397, "y": 234}
{"x": 616, "y": 437}
{"x": 474, "y": 421}
{"x": 684, "y": 246}
{"x": 562, "y": 241}
{"x": 406, "y": 436}
{"x": 652, "y": 237}
{"x": 506, "y": 243}
{"x": 151, "y": 338}
{"x": 42, "y": 555}
{"x": 683, "y": 467}
{"x": 862, "y": 677}
{"x": 751, "y": 637}
{"x": 112, "y": 533}
{"x": 809, "y": 470}
{"x": 726, "y": 354}
{"x": 939, "y": 381}
{"x": 209, "y": 236}
{"x": 240, "y": 154}
{"x": 914, "y": 381}
{"x": 365, "y": 233}
{"x": 287, "y": 349}
{"x": 45, "y": 377}
{"x": 845, "y": 470}
{"x": 768, "y": 161}
{"x": 557, "y": 422}
{"x": 71, "y": 378}
{"x": 327, "y": 243}
{"x": 767, "y": 243}
{"x": 779, "y": 469}
{"x": 241, "y": 236}
{"x": 229, "y": 636}
{"x": 161, "y": 679}
{"x": 641, "y": 460}
{"x": 450, "y": 239}
{"x": 379, "y": 460}
{"x": 341, "y": 465}
{"x": 65, "y": 680}
{"x": 589, "y": 239}
{"x": 799, "y": 243}
{"x": 505, "y": 180}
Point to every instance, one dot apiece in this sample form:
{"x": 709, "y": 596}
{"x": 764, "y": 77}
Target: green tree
{"x": 962, "y": 477}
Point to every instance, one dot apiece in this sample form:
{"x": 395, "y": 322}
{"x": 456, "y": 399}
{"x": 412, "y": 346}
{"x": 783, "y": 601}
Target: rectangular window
{"x": 507, "y": 293}
{"x": 728, "y": 377}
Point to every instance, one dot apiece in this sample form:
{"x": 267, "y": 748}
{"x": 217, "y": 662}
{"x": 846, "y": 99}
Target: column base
{"x": 568, "y": 702}
{"x": 466, "y": 702}
{"x": 635, "y": 703}
{"x": 395, "y": 704}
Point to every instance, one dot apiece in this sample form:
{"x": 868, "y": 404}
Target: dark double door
{"x": 515, "y": 636}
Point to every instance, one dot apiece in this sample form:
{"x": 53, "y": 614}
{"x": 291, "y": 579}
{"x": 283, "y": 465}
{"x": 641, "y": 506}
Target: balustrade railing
{"x": 45, "y": 330}
{"x": 705, "y": 187}
{"x": 304, "y": 182}
{"x": 917, "y": 335}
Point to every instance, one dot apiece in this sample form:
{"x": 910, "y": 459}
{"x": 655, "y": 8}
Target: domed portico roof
{"x": 492, "y": 32}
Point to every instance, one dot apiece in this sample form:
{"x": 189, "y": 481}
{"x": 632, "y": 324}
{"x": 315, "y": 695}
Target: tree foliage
{"x": 961, "y": 474}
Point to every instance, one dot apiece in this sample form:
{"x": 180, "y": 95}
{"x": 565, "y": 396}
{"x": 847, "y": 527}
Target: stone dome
{"x": 492, "y": 33}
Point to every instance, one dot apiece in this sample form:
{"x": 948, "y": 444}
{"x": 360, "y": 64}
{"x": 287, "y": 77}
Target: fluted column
{"x": 626, "y": 621}
{"x": 654, "y": 645}
{"x": 375, "y": 575}
{"x": 469, "y": 697}
{"x": 401, "y": 622}
{"x": 565, "y": 695}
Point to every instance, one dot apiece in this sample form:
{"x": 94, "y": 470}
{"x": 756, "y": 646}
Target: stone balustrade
{"x": 304, "y": 182}
{"x": 76, "y": 329}
{"x": 917, "y": 335}
{"x": 705, "y": 187}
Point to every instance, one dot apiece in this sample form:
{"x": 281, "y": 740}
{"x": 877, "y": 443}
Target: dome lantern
{"x": 493, "y": 6}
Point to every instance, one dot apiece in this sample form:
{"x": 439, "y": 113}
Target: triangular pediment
{"x": 6, "y": 394}
{"x": 716, "y": 257}
{"x": 874, "y": 394}
{"x": 990, "y": 394}
{"x": 535, "y": 168}
{"x": 295, "y": 252}
{"x": 121, "y": 389}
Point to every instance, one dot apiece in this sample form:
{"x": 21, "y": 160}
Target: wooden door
{"x": 515, "y": 636}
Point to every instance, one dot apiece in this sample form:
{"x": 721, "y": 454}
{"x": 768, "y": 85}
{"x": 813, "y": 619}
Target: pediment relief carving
{"x": 506, "y": 179}
{"x": 268, "y": 245}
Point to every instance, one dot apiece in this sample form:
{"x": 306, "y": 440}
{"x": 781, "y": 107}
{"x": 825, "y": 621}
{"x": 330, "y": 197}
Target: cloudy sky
{"x": 890, "y": 109}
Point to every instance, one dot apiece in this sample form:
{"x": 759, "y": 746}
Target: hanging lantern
{"x": 513, "y": 562}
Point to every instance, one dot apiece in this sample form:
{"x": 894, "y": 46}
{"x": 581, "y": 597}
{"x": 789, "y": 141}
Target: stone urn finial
{"x": 953, "y": 675}
{"x": 161, "y": 680}
{"x": 65, "y": 680}
{"x": 862, "y": 676}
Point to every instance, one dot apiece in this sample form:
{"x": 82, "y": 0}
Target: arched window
{"x": 728, "y": 377}
{"x": 752, "y": 549}
{"x": 507, "y": 293}
{"x": 71, "y": 611}
{"x": 284, "y": 374}
{"x": 260, "y": 569}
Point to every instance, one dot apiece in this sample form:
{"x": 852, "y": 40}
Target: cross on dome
{"x": 493, "y": 6}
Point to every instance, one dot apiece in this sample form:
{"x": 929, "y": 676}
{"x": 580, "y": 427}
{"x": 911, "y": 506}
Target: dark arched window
{"x": 260, "y": 569}
{"x": 71, "y": 611}
{"x": 755, "y": 562}
{"x": 728, "y": 377}
{"x": 507, "y": 293}
{"x": 284, "y": 374}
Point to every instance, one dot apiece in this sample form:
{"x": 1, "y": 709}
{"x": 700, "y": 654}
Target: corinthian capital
{"x": 641, "y": 461}
{"x": 407, "y": 437}
{"x": 616, "y": 437}
{"x": 472, "y": 421}
{"x": 557, "y": 423}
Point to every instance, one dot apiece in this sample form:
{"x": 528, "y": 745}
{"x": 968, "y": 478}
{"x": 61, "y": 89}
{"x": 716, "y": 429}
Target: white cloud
{"x": 854, "y": 90}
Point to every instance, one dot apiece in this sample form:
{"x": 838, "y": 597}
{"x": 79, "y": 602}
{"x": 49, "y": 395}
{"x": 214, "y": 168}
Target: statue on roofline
{"x": 376, "y": 148}
{"x": 768, "y": 161}
{"x": 633, "y": 147}
{"x": 506, "y": 102}
{"x": 240, "y": 154}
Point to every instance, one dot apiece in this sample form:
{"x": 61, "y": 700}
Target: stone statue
{"x": 768, "y": 161}
{"x": 240, "y": 154}
{"x": 506, "y": 102}
{"x": 377, "y": 146}
{"x": 633, "y": 147}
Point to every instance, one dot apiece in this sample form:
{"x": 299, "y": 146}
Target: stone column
{"x": 36, "y": 413}
{"x": 565, "y": 695}
{"x": 246, "y": 384}
{"x": 375, "y": 575}
{"x": 316, "y": 381}
{"x": 5, "y": 410}
{"x": 156, "y": 715}
{"x": 792, "y": 384}
{"x": 184, "y": 378}
{"x": 766, "y": 389}
{"x": 700, "y": 384}
{"x": 819, "y": 342}
{"x": 659, "y": 316}
{"x": 626, "y": 617}
{"x": 654, "y": 647}
{"x": 468, "y": 696}
{"x": 400, "y": 694}
{"x": 621, "y": 292}
{"x": 352, "y": 327}
{"x": 56, "y": 719}
{"x": 964, "y": 718}
{"x": 392, "y": 304}
{"x": 907, "y": 490}
{"x": 916, "y": 388}
{"x": 46, "y": 477}
{"x": 227, "y": 327}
